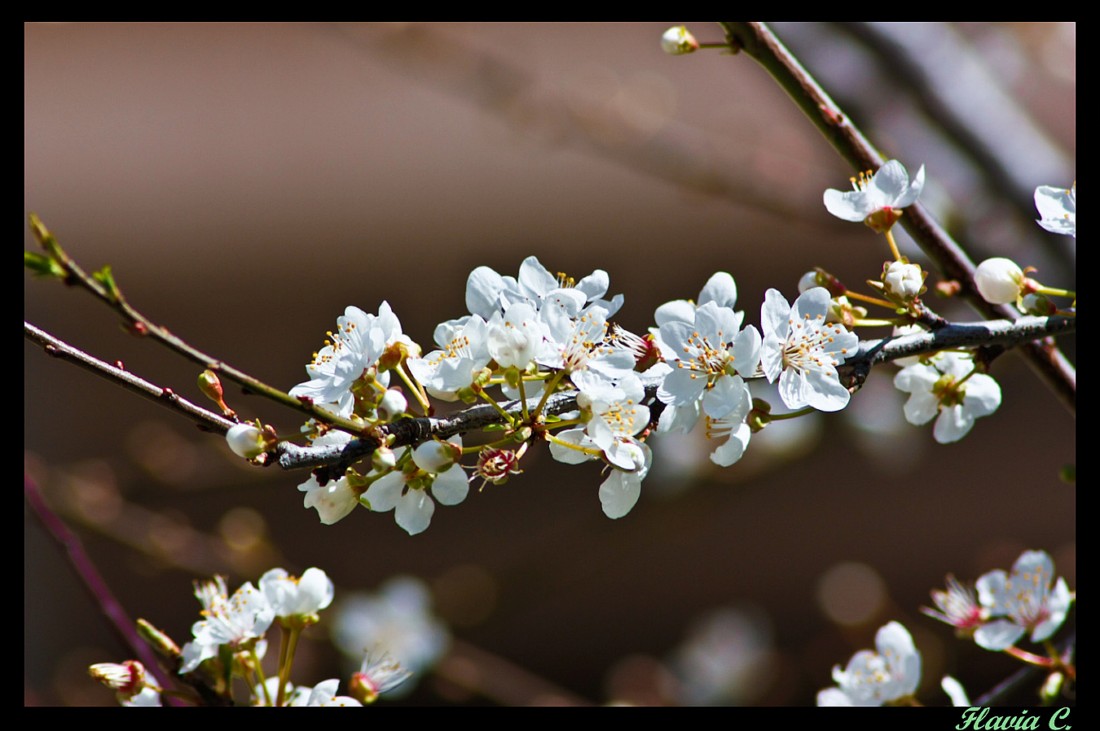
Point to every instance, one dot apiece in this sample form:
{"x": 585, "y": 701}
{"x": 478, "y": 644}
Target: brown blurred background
{"x": 248, "y": 181}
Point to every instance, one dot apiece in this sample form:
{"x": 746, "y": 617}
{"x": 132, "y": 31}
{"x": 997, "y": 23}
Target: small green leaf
{"x": 42, "y": 265}
{"x": 107, "y": 279}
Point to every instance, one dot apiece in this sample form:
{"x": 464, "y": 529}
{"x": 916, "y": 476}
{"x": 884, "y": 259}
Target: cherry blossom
{"x": 876, "y": 677}
{"x": 1028, "y": 600}
{"x": 292, "y": 596}
{"x": 802, "y": 350}
{"x": 406, "y": 491}
{"x": 229, "y": 620}
{"x": 876, "y": 200}
{"x": 947, "y": 389}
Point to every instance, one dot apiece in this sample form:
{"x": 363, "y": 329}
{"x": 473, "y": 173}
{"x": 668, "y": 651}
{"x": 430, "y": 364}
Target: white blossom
{"x": 802, "y": 350}
{"x": 229, "y": 620}
{"x": 947, "y": 390}
{"x": 292, "y": 596}
{"x": 880, "y": 196}
{"x": 876, "y": 677}
{"x": 1027, "y": 601}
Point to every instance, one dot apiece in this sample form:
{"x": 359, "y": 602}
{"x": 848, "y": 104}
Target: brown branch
{"x": 757, "y": 40}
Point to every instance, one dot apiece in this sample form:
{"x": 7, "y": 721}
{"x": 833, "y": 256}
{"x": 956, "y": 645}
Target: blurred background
{"x": 247, "y": 182}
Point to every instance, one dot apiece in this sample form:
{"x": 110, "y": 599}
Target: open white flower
{"x": 1058, "y": 209}
{"x": 463, "y": 352}
{"x": 359, "y": 341}
{"x": 336, "y": 498}
{"x": 1027, "y": 601}
{"x": 292, "y": 596}
{"x": 876, "y": 677}
{"x": 802, "y": 350}
{"x": 229, "y": 620}
{"x": 406, "y": 492}
{"x": 947, "y": 389}
{"x": 876, "y": 200}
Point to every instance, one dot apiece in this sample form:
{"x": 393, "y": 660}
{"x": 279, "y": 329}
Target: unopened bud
{"x": 383, "y": 459}
{"x": 999, "y": 280}
{"x": 211, "y": 387}
{"x": 161, "y": 643}
{"x": 393, "y": 404}
{"x": 246, "y": 441}
{"x": 677, "y": 41}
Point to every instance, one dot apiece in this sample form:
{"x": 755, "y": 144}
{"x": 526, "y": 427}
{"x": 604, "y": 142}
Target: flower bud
{"x": 246, "y": 441}
{"x": 999, "y": 280}
{"x": 903, "y": 281}
{"x": 436, "y": 456}
{"x": 392, "y": 404}
{"x": 677, "y": 41}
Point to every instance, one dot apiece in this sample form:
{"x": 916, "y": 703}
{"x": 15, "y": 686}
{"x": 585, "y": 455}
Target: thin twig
{"x": 207, "y": 420}
{"x": 141, "y": 325}
{"x": 757, "y": 40}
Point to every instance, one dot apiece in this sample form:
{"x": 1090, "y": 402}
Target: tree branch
{"x": 102, "y": 285}
{"x": 207, "y": 420}
{"x": 757, "y": 40}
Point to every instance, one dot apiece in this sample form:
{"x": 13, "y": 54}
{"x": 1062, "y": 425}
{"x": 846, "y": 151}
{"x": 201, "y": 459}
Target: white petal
{"x": 720, "y": 289}
{"x": 414, "y": 511}
{"x": 384, "y": 493}
{"x": 483, "y": 290}
{"x": 955, "y": 691}
{"x": 619, "y": 493}
{"x": 998, "y": 635}
{"x": 774, "y": 314}
{"x": 451, "y": 487}
{"x": 953, "y": 424}
{"x": 848, "y": 206}
{"x": 833, "y": 697}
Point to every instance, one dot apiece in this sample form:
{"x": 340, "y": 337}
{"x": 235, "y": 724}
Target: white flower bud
{"x": 435, "y": 456}
{"x": 392, "y": 404}
{"x": 999, "y": 280}
{"x": 904, "y": 281}
{"x": 808, "y": 281}
{"x": 246, "y": 441}
{"x": 677, "y": 41}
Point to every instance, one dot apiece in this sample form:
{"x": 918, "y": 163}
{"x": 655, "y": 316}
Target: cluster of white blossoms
{"x": 544, "y": 354}
{"x": 997, "y": 612}
{"x": 1001, "y": 607}
{"x": 230, "y": 641}
{"x": 537, "y": 334}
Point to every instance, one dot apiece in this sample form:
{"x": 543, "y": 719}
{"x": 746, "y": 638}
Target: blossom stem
{"x": 1055, "y": 292}
{"x": 523, "y": 402}
{"x": 873, "y": 322}
{"x": 893, "y": 244}
{"x": 569, "y": 445}
{"x": 286, "y": 658}
{"x": 548, "y": 390}
{"x": 1030, "y": 658}
{"x": 261, "y": 679}
{"x": 489, "y": 400}
{"x": 792, "y": 414}
{"x": 416, "y": 388}
{"x": 869, "y": 299}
